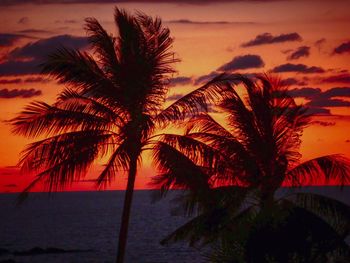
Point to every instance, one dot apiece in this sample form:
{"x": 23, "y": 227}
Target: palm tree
{"x": 232, "y": 173}
{"x": 110, "y": 108}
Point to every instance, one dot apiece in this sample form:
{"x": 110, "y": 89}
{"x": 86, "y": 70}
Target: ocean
{"x": 83, "y": 227}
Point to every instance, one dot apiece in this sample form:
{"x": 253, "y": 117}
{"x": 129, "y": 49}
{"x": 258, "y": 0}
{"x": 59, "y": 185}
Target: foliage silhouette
{"x": 232, "y": 172}
{"x": 110, "y": 108}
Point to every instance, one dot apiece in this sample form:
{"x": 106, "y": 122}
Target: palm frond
{"x": 322, "y": 169}
{"x": 40, "y": 118}
{"x": 176, "y": 170}
{"x": 334, "y": 212}
{"x": 103, "y": 46}
{"x": 211, "y": 226}
{"x": 196, "y": 101}
{"x": 118, "y": 162}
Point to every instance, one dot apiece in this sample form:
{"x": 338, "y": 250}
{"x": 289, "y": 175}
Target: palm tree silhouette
{"x": 110, "y": 108}
{"x": 233, "y": 171}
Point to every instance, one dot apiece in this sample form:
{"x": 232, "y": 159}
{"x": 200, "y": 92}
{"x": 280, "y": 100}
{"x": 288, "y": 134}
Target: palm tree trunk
{"x": 123, "y": 234}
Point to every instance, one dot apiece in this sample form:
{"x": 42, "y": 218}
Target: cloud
{"x": 327, "y": 102}
{"x": 347, "y": 140}
{"x": 191, "y": 22}
{"x": 19, "y": 93}
{"x": 34, "y": 31}
{"x": 70, "y": 21}
{"x": 319, "y": 99}
{"x": 26, "y": 59}
{"x": 7, "y": 40}
{"x": 26, "y": 80}
{"x": 340, "y": 78}
{"x": 303, "y": 51}
{"x": 180, "y": 81}
{"x": 307, "y": 93}
{"x": 10, "y": 81}
{"x": 23, "y": 20}
{"x": 42, "y": 47}
{"x": 206, "y": 78}
{"x": 15, "y": 68}
{"x": 268, "y": 38}
{"x": 319, "y": 43}
{"x": 343, "y": 48}
{"x": 35, "y": 79}
{"x": 337, "y": 92}
{"x": 300, "y": 68}
{"x": 318, "y": 111}
{"x": 324, "y": 123}
{"x": 243, "y": 62}
{"x": 292, "y": 81}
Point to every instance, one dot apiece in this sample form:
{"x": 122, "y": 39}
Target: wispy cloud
{"x": 299, "y": 68}
{"x": 268, "y": 38}
{"x": 303, "y": 51}
{"x": 319, "y": 99}
{"x": 339, "y": 78}
{"x": 19, "y": 93}
{"x": 25, "y": 60}
{"x": 180, "y": 81}
{"x": 191, "y": 22}
{"x": 243, "y": 62}
{"x": 7, "y": 40}
{"x": 342, "y": 48}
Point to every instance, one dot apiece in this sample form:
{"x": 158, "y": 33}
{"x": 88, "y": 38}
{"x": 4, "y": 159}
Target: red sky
{"x": 306, "y": 42}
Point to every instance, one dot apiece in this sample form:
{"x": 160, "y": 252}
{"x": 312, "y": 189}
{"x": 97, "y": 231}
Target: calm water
{"x": 89, "y": 221}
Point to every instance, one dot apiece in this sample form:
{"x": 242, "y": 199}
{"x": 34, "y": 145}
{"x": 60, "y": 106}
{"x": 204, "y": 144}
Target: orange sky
{"x": 207, "y": 35}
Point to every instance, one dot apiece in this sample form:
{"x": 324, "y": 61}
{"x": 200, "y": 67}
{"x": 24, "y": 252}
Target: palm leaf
{"x": 330, "y": 167}
{"x": 336, "y": 213}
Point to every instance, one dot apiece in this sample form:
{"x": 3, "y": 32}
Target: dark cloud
{"x": 180, "y": 81}
{"x": 19, "y": 93}
{"x": 35, "y": 79}
{"x": 26, "y": 80}
{"x": 311, "y": 93}
{"x": 23, "y": 20}
{"x": 191, "y": 22}
{"x": 26, "y": 59}
{"x": 318, "y": 111}
{"x": 10, "y": 81}
{"x": 327, "y": 102}
{"x": 340, "y": 78}
{"x": 319, "y": 43}
{"x": 347, "y": 141}
{"x": 292, "y": 81}
{"x": 307, "y": 93}
{"x": 300, "y": 68}
{"x": 15, "y": 68}
{"x": 268, "y": 38}
{"x": 319, "y": 99}
{"x": 7, "y": 40}
{"x": 42, "y": 47}
{"x": 34, "y": 31}
{"x": 206, "y": 78}
{"x": 243, "y": 62}
{"x": 343, "y": 48}
{"x": 303, "y": 51}
{"x": 324, "y": 123}
{"x": 337, "y": 92}
{"x": 70, "y": 21}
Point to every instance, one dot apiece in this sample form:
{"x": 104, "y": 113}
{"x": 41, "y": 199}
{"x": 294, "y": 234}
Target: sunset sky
{"x": 305, "y": 42}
